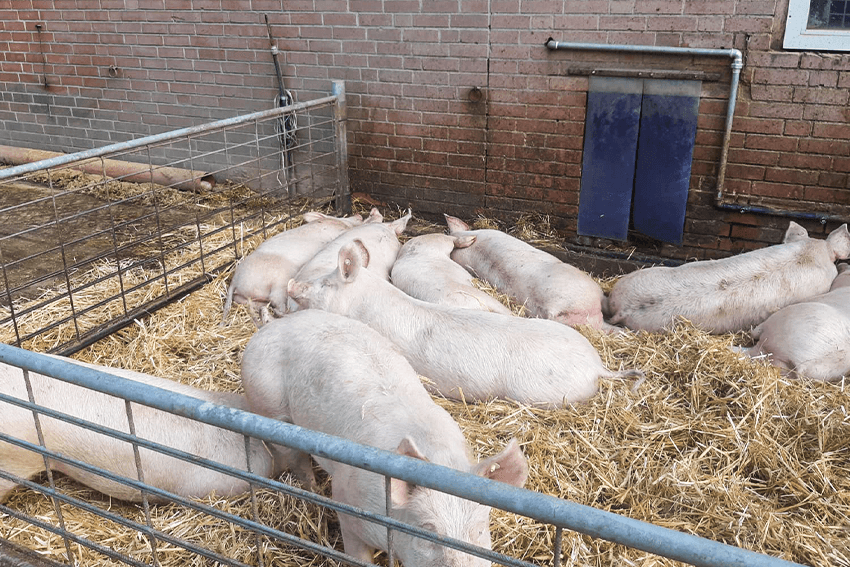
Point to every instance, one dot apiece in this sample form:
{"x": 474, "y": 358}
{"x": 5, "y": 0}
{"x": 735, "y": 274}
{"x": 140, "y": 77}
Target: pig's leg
{"x": 353, "y": 545}
{"x": 21, "y": 463}
{"x": 298, "y": 463}
{"x": 256, "y": 312}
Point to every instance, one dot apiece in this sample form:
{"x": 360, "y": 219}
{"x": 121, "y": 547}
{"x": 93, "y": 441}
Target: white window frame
{"x": 797, "y": 36}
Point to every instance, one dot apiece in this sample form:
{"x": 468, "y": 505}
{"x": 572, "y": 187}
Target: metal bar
{"x": 159, "y": 138}
{"x": 585, "y": 519}
{"x": 343, "y": 203}
{"x": 249, "y": 477}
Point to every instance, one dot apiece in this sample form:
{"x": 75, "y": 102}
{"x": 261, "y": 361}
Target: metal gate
{"x": 182, "y": 203}
{"x": 155, "y": 540}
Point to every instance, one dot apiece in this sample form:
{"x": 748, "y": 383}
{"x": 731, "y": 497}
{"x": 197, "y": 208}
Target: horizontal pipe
{"x": 758, "y": 209}
{"x": 180, "y": 178}
{"x": 544, "y": 508}
{"x": 654, "y": 49}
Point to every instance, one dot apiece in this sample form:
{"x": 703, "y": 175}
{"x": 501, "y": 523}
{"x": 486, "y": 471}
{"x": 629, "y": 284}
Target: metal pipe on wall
{"x": 737, "y": 65}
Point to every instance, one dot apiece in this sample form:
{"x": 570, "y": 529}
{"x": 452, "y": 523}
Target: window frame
{"x": 798, "y": 36}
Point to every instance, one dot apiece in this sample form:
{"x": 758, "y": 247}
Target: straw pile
{"x": 710, "y": 444}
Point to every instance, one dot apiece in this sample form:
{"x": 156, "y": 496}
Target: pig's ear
{"x": 297, "y": 290}
{"x": 399, "y": 489}
{"x": 352, "y": 257}
{"x": 375, "y": 216}
{"x": 312, "y": 216}
{"x": 508, "y": 466}
{"x": 455, "y": 224}
{"x": 399, "y": 225}
{"x": 794, "y": 232}
{"x": 839, "y": 242}
{"x": 464, "y": 241}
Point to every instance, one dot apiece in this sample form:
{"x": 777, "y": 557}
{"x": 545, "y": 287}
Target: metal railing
{"x": 543, "y": 508}
{"x": 124, "y": 229}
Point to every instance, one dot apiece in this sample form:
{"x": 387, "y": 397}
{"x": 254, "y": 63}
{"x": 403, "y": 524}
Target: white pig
{"x": 811, "y": 338}
{"x": 379, "y": 241}
{"x": 260, "y": 278}
{"x": 731, "y": 294}
{"x": 548, "y": 287}
{"x": 335, "y": 375}
{"x": 160, "y": 471}
{"x": 468, "y": 354}
{"x": 425, "y": 271}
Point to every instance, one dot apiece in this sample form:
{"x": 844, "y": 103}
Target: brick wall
{"x": 419, "y": 135}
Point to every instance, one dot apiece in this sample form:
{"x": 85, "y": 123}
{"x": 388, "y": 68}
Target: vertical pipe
{"x": 343, "y": 200}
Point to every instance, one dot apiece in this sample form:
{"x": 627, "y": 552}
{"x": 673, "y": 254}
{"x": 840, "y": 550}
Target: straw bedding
{"x": 710, "y": 444}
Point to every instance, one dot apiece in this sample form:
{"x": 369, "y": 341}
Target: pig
{"x": 548, "y": 287}
{"x": 467, "y": 354}
{"x": 812, "y": 338}
{"x": 260, "y": 278}
{"x": 424, "y": 270}
{"x": 731, "y": 294}
{"x": 335, "y": 375}
{"x": 160, "y": 471}
{"x": 379, "y": 241}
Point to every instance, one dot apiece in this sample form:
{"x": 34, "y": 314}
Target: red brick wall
{"x": 416, "y": 138}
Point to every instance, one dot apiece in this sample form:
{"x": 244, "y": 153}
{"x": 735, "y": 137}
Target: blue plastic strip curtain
{"x": 638, "y": 147}
{"x": 665, "y": 150}
{"x": 608, "y": 164}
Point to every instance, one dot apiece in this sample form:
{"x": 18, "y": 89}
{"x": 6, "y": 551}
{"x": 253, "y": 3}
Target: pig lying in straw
{"x": 116, "y": 456}
{"x": 379, "y": 240}
{"x": 468, "y": 354}
{"x": 732, "y": 294}
{"x": 336, "y": 375}
{"x": 811, "y": 338}
{"x": 548, "y": 287}
{"x": 260, "y": 278}
{"x": 425, "y": 271}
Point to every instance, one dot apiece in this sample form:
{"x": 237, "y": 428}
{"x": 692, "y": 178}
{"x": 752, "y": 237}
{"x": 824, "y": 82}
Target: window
{"x": 818, "y": 25}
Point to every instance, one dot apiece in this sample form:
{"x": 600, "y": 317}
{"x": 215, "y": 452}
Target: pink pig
{"x": 379, "y": 241}
{"x": 260, "y": 278}
{"x": 336, "y": 375}
{"x": 167, "y": 473}
{"x": 731, "y": 294}
{"x": 548, "y": 287}
{"x": 812, "y": 338}
{"x": 468, "y": 354}
{"x": 425, "y": 271}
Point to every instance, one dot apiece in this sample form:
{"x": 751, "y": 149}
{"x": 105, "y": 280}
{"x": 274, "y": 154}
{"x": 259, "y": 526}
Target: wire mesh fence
{"x": 154, "y": 217}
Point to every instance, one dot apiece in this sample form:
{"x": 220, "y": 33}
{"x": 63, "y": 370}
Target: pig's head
{"x": 436, "y": 244}
{"x": 449, "y": 515}
{"x": 839, "y": 243}
{"x": 336, "y": 290}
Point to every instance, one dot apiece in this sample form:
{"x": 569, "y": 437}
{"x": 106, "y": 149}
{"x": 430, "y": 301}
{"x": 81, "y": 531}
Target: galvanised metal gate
{"x": 159, "y": 541}
{"x": 151, "y": 219}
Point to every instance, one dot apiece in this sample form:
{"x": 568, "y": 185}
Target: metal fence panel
{"x": 543, "y": 508}
{"x": 182, "y": 202}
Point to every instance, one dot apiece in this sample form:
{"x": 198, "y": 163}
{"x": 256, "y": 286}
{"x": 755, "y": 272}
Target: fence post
{"x": 343, "y": 199}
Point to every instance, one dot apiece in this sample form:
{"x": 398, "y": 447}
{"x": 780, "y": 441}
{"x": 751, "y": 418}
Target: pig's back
{"x": 729, "y": 294}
